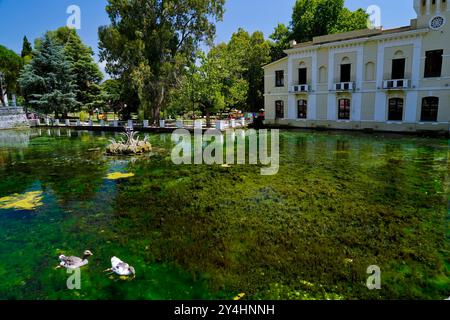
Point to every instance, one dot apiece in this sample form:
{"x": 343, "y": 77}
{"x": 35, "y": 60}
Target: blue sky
{"x": 33, "y": 17}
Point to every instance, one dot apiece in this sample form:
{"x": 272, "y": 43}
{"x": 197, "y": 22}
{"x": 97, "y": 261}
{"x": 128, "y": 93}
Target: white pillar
{"x": 233, "y": 123}
{"x": 90, "y": 123}
{"x": 417, "y": 55}
{"x": 428, "y": 7}
{"x": 438, "y": 6}
{"x": 411, "y": 106}
{"x": 312, "y": 107}
{"x": 331, "y": 107}
{"x": 78, "y": 123}
{"x": 102, "y": 123}
{"x": 115, "y": 123}
{"x": 380, "y": 106}
{"x": 130, "y": 124}
{"x": 145, "y": 123}
{"x": 291, "y": 112}
{"x": 331, "y": 53}
{"x": 162, "y": 123}
{"x": 180, "y": 124}
{"x": 243, "y": 123}
{"x": 380, "y": 66}
{"x": 47, "y": 121}
{"x": 56, "y": 122}
{"x": 356, "y": 106}
{"x": 67, "y": 123}
{"x": 290, "y": 74}
{"x": 38, "y": 122}
{"x": 314, "y": 71}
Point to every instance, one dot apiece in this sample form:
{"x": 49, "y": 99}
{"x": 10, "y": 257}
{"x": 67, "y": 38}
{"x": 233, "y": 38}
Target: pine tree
{"x": 27, "y": 49}
{"x": 86, "y": 70}
{"x": 48, "y": 82}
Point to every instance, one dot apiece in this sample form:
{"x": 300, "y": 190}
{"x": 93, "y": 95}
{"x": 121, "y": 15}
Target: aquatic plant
{"x": 119, "y": 175}
{"x": 27, "y": 201}
{"x": 128, "y": 144}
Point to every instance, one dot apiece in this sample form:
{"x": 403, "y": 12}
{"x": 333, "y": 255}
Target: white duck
{"x": 74, "y": 262}
{"x": 121, "y": 268}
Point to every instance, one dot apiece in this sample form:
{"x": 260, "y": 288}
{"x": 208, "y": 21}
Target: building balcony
{"x": 344, "y": 86}
{"x": 396, "y": 84}
{"x": 301, "y": 88}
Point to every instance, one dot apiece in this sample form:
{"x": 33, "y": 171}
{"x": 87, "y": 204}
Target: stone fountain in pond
{"x": 13, "y": 118}
{"x": 129, "y": 144}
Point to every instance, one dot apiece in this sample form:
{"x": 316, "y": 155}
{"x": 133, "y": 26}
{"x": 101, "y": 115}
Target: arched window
{"x": 344, "y": 109}
{"x": 370, "y": 71}
{"x": 430, "y": 109}
{"x": 395, "y": 112}
{"x": 279, "y": 109}
{"x": 302, "y": 109}
{"x": 323, "y": 74}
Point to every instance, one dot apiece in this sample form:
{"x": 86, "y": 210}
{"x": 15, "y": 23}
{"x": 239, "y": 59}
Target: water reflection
{"x": 14, "y": 138}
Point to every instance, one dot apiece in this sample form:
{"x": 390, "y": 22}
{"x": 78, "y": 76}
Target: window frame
{"x": 302, "y": 109}
{"x": 279, "y": 78}
{"x": 429, "y": 71}
{"x": 279, "y": 109}
{"x": 432, "y": 115}
{"x": 346, "y": 113}
{"x": 395, "y": 103}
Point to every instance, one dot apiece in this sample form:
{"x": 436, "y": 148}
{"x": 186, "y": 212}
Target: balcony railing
{"x": 300, "y": 88}
{"x": 396, "y": 84}
{"x": 344, "y": 86}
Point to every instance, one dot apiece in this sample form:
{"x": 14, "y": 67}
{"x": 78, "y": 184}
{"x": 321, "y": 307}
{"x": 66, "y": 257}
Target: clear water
{"x": 340, "y": 203}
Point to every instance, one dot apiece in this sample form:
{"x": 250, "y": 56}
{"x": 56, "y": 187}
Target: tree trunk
{"x": 208, "y": 118}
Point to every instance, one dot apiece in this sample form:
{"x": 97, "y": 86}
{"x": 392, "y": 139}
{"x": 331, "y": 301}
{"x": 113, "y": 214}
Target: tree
{"x": 87, "y": 72}
{"x": 27, "y": 49}
{"x": 47, "y": 81}
{"x": 349, "y": 21}
{"x": 312, "y": 18}
{"x": 10, "y": 66}
{"x": 280, "y": 38}
{"x": 214, "y": 84}
{"x": 150, "y": 42}
{"x": 258, "y": 56}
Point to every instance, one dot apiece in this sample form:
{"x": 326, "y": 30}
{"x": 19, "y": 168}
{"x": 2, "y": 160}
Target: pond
{"x": 341, "y": 202}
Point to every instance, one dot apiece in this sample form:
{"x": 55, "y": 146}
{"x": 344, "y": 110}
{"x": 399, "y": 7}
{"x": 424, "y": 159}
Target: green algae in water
{"x": 340, "y": 203}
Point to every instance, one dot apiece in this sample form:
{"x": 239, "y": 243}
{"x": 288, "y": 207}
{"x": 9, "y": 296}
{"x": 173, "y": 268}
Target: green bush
{"x": 84, "y": 116}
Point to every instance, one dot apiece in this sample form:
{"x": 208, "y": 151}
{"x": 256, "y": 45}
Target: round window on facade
{"x": 437, "y": 22}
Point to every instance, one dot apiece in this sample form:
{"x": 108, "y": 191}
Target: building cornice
{"x": 382, "y": 38}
